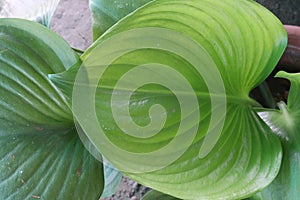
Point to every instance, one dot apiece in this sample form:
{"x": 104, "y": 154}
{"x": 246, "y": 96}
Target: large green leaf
{"x": 28, "y": 53}
{"x": 36, "y": 10}
{"x": 164, "y": 97}
{"x": 41, "y": 155}
{"x": 287, "y": 125}
{"x": 106, "y": 13}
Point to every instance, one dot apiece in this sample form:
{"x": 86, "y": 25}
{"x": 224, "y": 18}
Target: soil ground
{"x": 72, "y": 20}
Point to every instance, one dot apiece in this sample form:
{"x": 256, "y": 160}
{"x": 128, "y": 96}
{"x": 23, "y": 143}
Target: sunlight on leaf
{"x": 35, "y": 10}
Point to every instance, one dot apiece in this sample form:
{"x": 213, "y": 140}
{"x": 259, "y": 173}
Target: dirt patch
{"x": 129, "y": 190}
{"x": 72, "y": 20}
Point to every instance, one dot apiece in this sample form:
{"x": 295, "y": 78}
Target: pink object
{"x": 291, "y": 58}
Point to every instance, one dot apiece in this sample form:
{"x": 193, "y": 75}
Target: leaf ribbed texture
{"x": 28, "y": 53}
{"x": 244, "y": 40}
{"x": 41, "y": 155}
{"x": 55, "y": 167}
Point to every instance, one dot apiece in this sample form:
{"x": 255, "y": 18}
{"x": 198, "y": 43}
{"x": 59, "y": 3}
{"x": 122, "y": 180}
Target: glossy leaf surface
{"x": 286, "y": 124}
{"x": 35, "y": 10}
{"x": 106, "y": 13}
{"x": 237, "y": 44}
{"x": 41, "y": 155}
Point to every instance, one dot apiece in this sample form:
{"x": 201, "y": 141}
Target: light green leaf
{"x": 157, "y": 196}
{"x": 106, "y": 13}
{"x": 52, "y": 165}
{"x": 35, "y": 10}
{"x": 164, "y": 97}
{"x": 286, "y": 124}
{"x": 41, "y": 155}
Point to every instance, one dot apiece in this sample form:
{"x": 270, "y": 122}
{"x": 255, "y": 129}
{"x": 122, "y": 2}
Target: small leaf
{"x": 294, "y": 98}
{"x": 106, "y": 13}
{"x": 286, "y": 124}
{"x": 35, "y": 10}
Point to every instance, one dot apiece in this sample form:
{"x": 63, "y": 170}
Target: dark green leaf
{"x": 41, "y": 155}
{"x": 53, "y": 165}
{"x": 157, "y": 196}
{"x": 28, "y": 53}
{"x": 106, "y": 13}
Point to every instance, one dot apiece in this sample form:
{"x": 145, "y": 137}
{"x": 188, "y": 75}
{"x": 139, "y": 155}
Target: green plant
{"x": 223, "y": 149}
{"x": 40, "y": 149}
